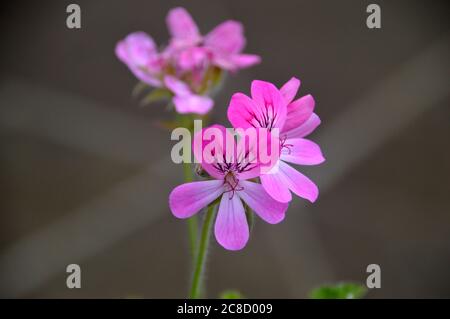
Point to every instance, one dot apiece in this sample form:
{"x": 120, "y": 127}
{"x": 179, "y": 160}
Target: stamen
{"x": 233, "y": 183}
{"x": 264, "y": 120}
{"x": 284, "y": 145}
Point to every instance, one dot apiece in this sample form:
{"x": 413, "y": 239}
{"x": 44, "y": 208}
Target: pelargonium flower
{"x": 231, "y": 182}
{"x": 195, "y": 61}
{"x": 272, "y": 108}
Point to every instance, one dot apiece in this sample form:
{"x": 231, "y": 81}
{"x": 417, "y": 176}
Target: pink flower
{"x": 138, "y": 51}
{"x": 272, "y": 108}
{"x": 190, "y": 65}
{"x": 223, "y": 45}
{"x": 184, "y": 100}
{"x": 231, "y": 183}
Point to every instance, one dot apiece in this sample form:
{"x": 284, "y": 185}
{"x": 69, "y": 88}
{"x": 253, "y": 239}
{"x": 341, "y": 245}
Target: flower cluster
{"x": 271, "y": 108}
{"x": 191, "y": 64}
{"x": 234, "y": 179}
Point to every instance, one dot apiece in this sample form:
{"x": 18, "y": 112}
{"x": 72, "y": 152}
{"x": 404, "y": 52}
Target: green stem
{"x": 192, "y": 221}
{"x": 188, "y": 176}
{"x": 197, "y": 277}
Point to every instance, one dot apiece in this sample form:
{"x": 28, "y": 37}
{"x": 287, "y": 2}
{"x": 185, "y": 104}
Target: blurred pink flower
{"x": 231, "y": 183}
{"x": 272, "y": 108}
{"x": 191, "y": 61}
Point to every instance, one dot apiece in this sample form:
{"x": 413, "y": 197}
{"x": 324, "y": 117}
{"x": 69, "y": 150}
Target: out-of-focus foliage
{"x": 231, "y": 294}
{"x": 344, "y": 290}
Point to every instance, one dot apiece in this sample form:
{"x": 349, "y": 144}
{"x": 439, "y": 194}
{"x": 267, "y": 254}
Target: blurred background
{"x": 85, "y": 172}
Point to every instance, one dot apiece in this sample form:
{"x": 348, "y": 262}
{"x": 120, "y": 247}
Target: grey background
{"x": 85, "y": 172}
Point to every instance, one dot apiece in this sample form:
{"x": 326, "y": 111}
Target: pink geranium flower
{"x": 138, "y": 51}
{"x": 222, "y": 46}
{"x": 191, "y": 64}
{"x": 231, "y": 182}
{"x": 269, "y": 107}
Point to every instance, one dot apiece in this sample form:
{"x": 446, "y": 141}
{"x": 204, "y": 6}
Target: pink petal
{"x": 247, "y": 156}
{"x": 241, "y": 61}
{"x": 145, "y": 76}
{"x": 224, "y": 62}
{"x": 297, "y": 182}
{"x": 184, "y": 100}
{"x": 192, "y": 104}
{"x": 187, "y": 199}
{"x": 138, "y": 52}
{"x": 241, "y": 111}
{"x": 182, "y": 27}
{"x": 258, "y": 150}
{"x": 177, "y": 86}
{"x": 301, "y": 151}
{"x": 259, "y": 201}
{"x": 226, "y": 39}
{"x": 275, "y": 186}
{"x": 236, "y": 61}
{"x": 192, "y": 58}
{"x": 226, "y": 42}
{"x": 231, "y": 228}
{"x": 209, "y": 147}
{"x": 137, "y": 48}
{"x": 304, "y": 129}
{"x": 298, "y": 112}
{"x": 121, "y": 51}
{"x": 289, "y": 89}
{"x": 271, "y": 104}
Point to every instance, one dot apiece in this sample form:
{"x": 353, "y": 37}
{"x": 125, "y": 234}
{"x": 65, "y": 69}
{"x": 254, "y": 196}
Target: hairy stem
{"x": 192, "y": 221}
{"x": 197, "y": 277}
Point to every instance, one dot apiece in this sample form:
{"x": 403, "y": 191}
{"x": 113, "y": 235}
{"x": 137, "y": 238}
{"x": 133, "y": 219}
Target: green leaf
{"x": 344, "y": 290}
{"x": 231, "y": 294}
{"x": 200, "y": 171}
{"x": 250, "y": 216}
{"x": 138, "y": 88}
{"x": 216, "y": 76}
{"x": 156, "y": 95}
{"x": 169, "y": 125}
{"x": 212, "y": 79}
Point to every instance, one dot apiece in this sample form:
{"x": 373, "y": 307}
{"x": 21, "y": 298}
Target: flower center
{"x": 266, "y": 119}
{"x": 243, "y": 164}
{"x": 231, "y": 183}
